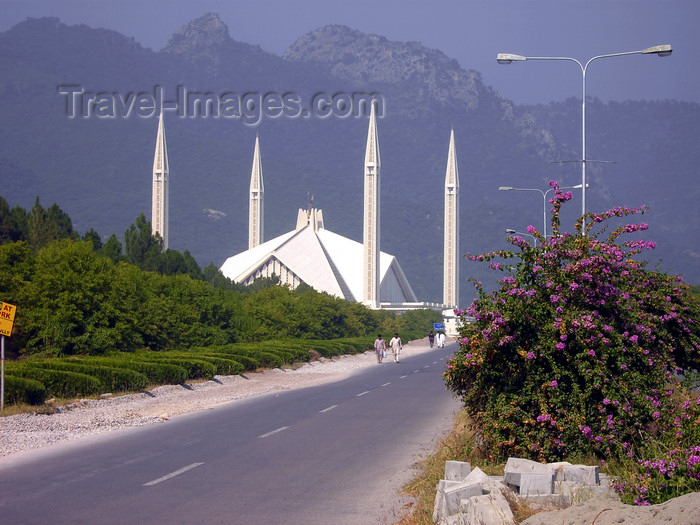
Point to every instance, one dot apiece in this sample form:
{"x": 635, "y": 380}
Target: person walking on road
{"x": 379, "y": 348}
{"x": 431, "y": 338}
{"x": 441, "y": 340}
{"x": 396, "y": 347}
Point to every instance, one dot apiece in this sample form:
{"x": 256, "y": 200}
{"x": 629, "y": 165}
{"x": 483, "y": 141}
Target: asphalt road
{"x": 330, "y": 454}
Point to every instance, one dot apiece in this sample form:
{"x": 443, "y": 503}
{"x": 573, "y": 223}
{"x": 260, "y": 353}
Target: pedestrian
{"x": 380, "y": 348}
{"x": 396, "y": 347}
{"x": 431, "y": 338}
{"x": 441, "y": 339}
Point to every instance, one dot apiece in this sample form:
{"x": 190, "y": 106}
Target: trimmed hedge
{"x": 36, "y": 379}
{"x": 60, "y": 383}
{"x": 24, "y": 390}
{"x": 157, "y": 373}
{"x": 114, "y": 379}
{"x": 195, "y": 368}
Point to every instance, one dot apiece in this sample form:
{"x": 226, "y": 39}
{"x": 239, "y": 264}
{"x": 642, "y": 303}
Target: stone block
{"x": 583, "y": 474}
{"x": 457, "y": 470}
{"x": 532, "y": 484}
{"x": 478, "y": 476}
{"x": 490, "y": 509}
{"x": 439, "y": 509}
{"x": 517, "y": 467}
{"x": 453, "y": 496}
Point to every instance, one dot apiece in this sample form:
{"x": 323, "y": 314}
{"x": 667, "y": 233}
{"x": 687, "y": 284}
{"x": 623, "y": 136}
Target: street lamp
{"x": 513, "y": 232}
{"x": 508, "y": 58}
{"x": 544, "y": 200}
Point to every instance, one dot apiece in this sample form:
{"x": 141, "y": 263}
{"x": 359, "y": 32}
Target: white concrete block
{"x": 454, "y": 495}
{"x": 457, "y": 470}
{"x": 583, "y": 474}
{"x": 491, "y": 509}
{"x": 533, "y": 484}
{"x": 478, "y": 476}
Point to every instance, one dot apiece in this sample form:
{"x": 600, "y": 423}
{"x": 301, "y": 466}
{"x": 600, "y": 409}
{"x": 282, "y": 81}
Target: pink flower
{"x": 591, "y": 353}
{"x": 554, "y": 383}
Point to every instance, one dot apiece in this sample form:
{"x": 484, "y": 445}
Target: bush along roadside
{"x": 581, "y": 353}
{"x": 34, "y": 379}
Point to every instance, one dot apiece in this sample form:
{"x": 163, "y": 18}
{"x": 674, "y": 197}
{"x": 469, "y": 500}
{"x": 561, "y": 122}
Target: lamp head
{"x": 505, "y": 188}
{"x": 507, "y": 58}
{"x": 662, "y": 51}
{"x": 509, "y": 231}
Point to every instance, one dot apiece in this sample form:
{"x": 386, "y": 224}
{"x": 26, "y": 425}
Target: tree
{"x": 141, "y": 246}
{"x": 581, "y": 349}
{"x": 93, "y": 237}
{"x": 112, "y": 249}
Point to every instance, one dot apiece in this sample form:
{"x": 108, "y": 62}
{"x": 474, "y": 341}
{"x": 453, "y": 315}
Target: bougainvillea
{"x": 581, "y": 350}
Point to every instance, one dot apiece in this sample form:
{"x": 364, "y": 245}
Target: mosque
{"x": 322, "y": 259}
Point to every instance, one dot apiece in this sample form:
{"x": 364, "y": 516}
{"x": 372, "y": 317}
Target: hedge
{"x": 24, "y": 390}
{"x": 60, "y": 383}
{"x": 114, "y": 379}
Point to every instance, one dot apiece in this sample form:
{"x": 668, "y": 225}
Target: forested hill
{"x": 98, "y": 167}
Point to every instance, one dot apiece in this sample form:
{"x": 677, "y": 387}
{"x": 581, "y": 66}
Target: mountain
{"x": 74, "y": 134}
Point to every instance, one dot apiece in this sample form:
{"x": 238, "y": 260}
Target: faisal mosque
{"x": 312, "y": 254}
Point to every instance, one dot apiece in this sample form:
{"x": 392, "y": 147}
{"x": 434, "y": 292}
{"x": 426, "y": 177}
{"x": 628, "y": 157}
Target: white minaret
{"x": 450, "y": 290}
{"x": 370, "y": 265}
{"x": 161, "y": 186}
{"x": 257, "y": 194}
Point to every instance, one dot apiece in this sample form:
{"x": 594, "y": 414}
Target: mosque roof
{"x": 326, "y": 261}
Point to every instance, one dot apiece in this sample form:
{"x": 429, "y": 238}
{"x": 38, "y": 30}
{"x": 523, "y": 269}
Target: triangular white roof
{"x": 324, "y": 260}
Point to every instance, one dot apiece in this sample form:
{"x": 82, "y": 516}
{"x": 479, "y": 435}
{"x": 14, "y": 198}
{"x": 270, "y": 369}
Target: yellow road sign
{"x": 7, "y": 318}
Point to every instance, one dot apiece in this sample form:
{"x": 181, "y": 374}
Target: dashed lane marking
{"x": 387, "y": 383}
{"x": 280, "y": 429}
{"x": 403, "y": 377}
{"x": 327, "y": 409}
{"x": 172, "y": 474}
{"x": 362, "y": 393}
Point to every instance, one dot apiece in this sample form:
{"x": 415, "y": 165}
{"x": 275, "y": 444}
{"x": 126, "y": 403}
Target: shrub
{"x": 24, "y": 390}
{"x": 113, "y": 379}
{"x": 580, "y": 350}
{"x": 157, "y": 373}
{"x": 60, "y": 383}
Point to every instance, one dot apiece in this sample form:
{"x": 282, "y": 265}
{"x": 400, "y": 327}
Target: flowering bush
{"x": 581, "y": 352}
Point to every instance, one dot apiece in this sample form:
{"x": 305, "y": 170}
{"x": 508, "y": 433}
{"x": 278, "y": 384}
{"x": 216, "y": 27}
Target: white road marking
{"x": 362, "y": 393}
{"x": 280, "y": 429}
{"x": 435, "y": 362}
{"x": 327, "y": 409}
{"x": 416, "y": 371}
{"x": 426, "y": 366}
{"x": 403, "y": 377}
{"x": 172, "y": 474}
{"x": 387, "y": 384}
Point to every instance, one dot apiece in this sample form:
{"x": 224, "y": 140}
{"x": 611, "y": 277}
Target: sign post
{"x": 7, "y": 319}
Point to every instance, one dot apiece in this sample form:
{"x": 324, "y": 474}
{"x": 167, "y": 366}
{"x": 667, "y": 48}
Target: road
{"x": 334, "y": 453}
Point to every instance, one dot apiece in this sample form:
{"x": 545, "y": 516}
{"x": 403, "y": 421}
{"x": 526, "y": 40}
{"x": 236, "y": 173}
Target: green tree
{"x": 141, "y": 246}
{"x": 93, "y": 237}
{"x": 67, "y": 305}
{"x": 13, "y": 223}
{"x": 112, "y": 249}
{"x": 45, "y": 226}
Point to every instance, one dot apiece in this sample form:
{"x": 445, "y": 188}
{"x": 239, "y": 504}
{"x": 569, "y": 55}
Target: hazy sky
{"x": 471, "y": 31}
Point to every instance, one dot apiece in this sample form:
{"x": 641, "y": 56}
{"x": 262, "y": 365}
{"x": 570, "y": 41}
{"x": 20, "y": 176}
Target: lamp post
{"x": 544, "y": 200}
{"x": 507, "y": 58}
{"x": 510, "y": 231}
